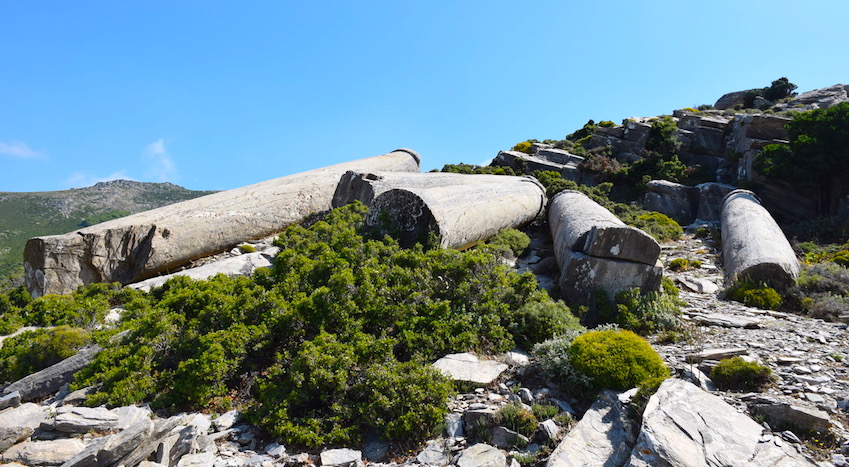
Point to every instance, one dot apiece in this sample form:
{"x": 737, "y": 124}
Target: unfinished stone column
{"x": 597, "y": 251}
{"x": 461, "y": 215}
{"x": 365, "y": 186}
{"x": 142, "y": 245}
{"x": 753, "y": 245}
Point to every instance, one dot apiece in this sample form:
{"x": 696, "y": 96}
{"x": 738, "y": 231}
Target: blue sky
{"x": 217, "y": 95}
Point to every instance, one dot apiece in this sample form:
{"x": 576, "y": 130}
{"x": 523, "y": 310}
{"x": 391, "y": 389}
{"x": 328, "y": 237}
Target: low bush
{"x": 517, "y": 418}
{"x": 246, "y": 248}
{"x": 660, "y": 226}
{"x": 538, "y": 321}
{"x": 648, "y": 313}
{"x": 618, "y": 360}
{"x": 545, "y": 411}
{"x": 33, "y": 351}
{"x": 756, "y": 295}
{"x": 524, "y": 146}
{"x": 822, "y": 291}
{"x": 737, "y": 374}
{"x": 679, "y": 264}
{"x": 841, "y": 258}
{"x": 514, "y": 240}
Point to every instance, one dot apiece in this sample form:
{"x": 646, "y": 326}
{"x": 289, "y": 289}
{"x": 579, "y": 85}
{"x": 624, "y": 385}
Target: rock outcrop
{"x": 595, "y": 250}
{"x": 47, "y": 381}
{"x": 684, "y": 425}
{"x": 753, "y": 245}
{"x": 460, "y": 215}
{"x": 686, "y": 204}
{"x": 142, "y": 245}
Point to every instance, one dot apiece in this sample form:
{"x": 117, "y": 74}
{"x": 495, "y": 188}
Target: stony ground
{"x": 809, "y": 357}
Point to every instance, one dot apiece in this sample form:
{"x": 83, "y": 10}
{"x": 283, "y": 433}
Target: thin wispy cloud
{"x": 161, "y": 164}
{"x": 19, "y": 150}
{"x": 82, "y": 179}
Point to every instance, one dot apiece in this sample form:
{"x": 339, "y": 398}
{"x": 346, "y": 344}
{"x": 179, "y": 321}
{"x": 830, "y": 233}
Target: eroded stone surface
{"x": 467, "y": 367}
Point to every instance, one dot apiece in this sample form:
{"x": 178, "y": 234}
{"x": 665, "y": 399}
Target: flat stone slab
{"x": 54, "y": 452}
{"x": 724, "y": 320}
{"x": 27, "y": 415}
{"x": 795, "y": 415}
{"x": 340, "y": 457}
{"x": 467, "y": 367}
{"x": 717, "y": 354}
{"x": 698, "y": 284}
{"x": 85, "y": 419}
{"x": 482, "y": 455}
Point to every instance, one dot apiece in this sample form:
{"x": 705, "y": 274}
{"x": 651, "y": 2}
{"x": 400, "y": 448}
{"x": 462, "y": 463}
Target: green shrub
{"x": 538, "y": 321}
{"x": 33, "y": 351}
{"x": 842, "y": 258}
{"x": 659, "y": 226}
{"x": 647, "y": 313}
{"x": 403, "y": 400}
{"x": 524, "y": 146}
{"x": 545, "y": 411}
{"x": 617, "y": 360}
{"x": 756, "y": 295}
{"x": 512, "y": 239}
{"x": 246, "y": 248}
{"x": 517, "y": 418}
{"x": 679, "y": 264}
{"x": 739, "y": 375}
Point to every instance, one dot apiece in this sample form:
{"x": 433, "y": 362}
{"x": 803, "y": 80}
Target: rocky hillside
{"x": 31, "y": 214}
{"x": 542, "y": 311}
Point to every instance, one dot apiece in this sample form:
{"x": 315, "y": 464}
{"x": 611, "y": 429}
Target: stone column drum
{"x": 461, "y": 214}
{"x": 753, "y": 245}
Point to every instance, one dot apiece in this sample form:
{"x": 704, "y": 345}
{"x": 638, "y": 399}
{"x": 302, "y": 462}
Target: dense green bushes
{"x": 514, "y": 240}
{"x": 822, "y": 291}
{"x": 334, "y": 340}
{"x": 32, "y": 351}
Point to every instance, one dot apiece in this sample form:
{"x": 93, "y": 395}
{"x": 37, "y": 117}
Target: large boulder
{"x": 819, "y": 98}
{"x": 710, "y": 200}
{"x": 753, "y": 245}
{"x": 686, "y": 426}
{"x": 731, "y": 99}
{"x": 603, "y": 437}
{"x": 142, "y": 245}
{"x": 677, "y": 201}
{"x": 459, "y": 215}
{"x": 530, "y": 163}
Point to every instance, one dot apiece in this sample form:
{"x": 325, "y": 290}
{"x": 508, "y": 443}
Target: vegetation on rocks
{"x": 33, "y": 351}
{"x": 514, "y": 240}
{"x": 753, "y": 294}
{"x": 658, "y": 225}
{"x": 334, "y": 341}
{"x": 737, "y": 374}
{"x": 618, "y": 360}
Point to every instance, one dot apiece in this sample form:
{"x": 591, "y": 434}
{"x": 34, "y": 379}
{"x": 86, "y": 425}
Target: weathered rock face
{"x": 569, "y": 170}
{"x": 677, "y": 201}
{"x": 142, "y": 245}
{"x": 753, "y": 245}
{"x": 603, "y": 437}
{"x": 595, "y": 250}
{"x": 685, "y": 426}
{"x": 461, "y": 215}
{"x": 819, "y": 98}
{"x": 710, "y": 201}
{"x": 364, "y": 187}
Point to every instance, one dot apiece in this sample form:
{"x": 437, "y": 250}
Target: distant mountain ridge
{"x": 24, "y": 215}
